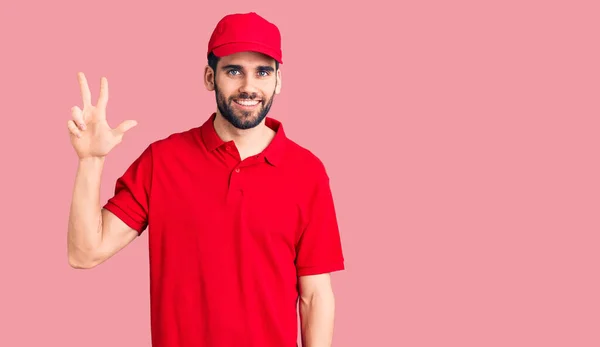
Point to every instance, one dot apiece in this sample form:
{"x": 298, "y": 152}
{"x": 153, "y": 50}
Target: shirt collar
{"x": 274, "y": 151}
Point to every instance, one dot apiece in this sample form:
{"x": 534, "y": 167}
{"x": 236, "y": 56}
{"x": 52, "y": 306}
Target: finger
{"x": 86, "y": 95}
{"x": 77, "y": 116}
{"x": 125, "y": 126}
{"x": 103, "y": 97}
{"x": 73, "y": 129}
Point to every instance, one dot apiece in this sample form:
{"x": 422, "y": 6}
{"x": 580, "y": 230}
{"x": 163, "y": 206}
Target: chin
{"x": 241, "y": 119}
{"x": 245, "y": 122}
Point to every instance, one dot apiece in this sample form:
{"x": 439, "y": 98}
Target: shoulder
{"x": 178, "y": 141}
{"x": 168, "y": 148}
{"x": 306, "y": 162}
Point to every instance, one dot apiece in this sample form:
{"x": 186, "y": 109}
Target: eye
{"x": 264, "y": 73}
{"x": 233, "y": 72}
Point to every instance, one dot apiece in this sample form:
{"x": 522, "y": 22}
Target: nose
{"x": 248, "y": 86}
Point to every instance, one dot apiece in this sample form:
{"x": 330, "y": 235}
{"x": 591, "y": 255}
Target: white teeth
{"x": 247, "y": 102}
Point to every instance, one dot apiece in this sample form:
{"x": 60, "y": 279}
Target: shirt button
{"x": 237, "y": 170}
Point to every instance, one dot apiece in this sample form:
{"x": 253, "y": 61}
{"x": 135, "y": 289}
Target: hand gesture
{"x": 91, "y": 136}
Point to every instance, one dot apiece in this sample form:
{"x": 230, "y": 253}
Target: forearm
{"x": 85, "y": 228}
{"x": 317, "y": 319}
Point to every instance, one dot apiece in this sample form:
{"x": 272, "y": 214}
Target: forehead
{"x": 247, "y": 59}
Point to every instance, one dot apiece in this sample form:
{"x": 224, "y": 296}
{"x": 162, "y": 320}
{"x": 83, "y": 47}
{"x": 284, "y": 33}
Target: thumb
{"x": 125, "y": 126}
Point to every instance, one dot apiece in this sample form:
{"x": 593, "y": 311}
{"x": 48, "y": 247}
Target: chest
{"x": 245, "y": 207}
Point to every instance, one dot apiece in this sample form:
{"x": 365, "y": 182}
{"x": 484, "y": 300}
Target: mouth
{"x": 246, "y": 104}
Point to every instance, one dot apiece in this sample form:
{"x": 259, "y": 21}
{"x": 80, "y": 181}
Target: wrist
{"x": 91, "y": 161}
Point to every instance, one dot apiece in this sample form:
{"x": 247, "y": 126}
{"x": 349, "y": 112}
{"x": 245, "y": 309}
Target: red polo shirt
{"x": 228, "y": 238}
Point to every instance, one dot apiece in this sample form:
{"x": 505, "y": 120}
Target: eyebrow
{"x": 266, "y": 68}
{"x": 231, "y": 66}
{"x": 239, "y": 67}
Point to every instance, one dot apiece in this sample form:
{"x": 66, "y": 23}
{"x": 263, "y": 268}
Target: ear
{"x": 278, "y": 87}
{"x": 209, "y": 78}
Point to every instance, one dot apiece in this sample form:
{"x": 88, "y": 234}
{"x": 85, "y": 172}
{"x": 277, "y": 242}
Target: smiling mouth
{"x": 247, "y": 103}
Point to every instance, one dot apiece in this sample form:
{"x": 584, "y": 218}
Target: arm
{"x": 317, "y": 306}
{"x": 319, "y": 253}
{"x": 94, "y": 234}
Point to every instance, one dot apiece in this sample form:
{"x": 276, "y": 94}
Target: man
{"x": 241, "y": 219}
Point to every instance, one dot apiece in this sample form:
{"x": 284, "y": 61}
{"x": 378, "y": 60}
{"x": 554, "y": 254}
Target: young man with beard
{"x": 241, "y": 219}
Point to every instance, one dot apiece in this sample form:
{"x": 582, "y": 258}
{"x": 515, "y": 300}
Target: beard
{"x": 238, "y": 118}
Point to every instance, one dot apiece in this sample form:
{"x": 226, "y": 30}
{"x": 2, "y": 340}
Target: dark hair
{"x": 213, "y": 60}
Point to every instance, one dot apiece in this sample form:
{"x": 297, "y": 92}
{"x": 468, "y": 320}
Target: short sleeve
{"x": 319, "y": 249}
{"x": 131, "y": 198}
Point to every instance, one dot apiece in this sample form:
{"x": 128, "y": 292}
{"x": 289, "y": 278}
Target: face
{"x": 245, "y": 86}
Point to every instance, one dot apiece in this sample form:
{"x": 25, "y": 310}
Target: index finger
{"x": 86, "y": 95}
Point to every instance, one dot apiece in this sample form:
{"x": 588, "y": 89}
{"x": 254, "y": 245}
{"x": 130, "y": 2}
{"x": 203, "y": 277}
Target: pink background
{"x": 461, "y": 138}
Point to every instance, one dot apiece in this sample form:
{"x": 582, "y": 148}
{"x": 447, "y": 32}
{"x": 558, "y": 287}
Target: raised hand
{"x": 91, "y": 136}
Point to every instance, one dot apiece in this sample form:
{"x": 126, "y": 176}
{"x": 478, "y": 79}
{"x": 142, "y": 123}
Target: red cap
{"x": 241, "y": 32}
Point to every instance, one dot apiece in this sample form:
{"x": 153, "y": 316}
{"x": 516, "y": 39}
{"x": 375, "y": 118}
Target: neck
{"x": 249, "y": 142}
